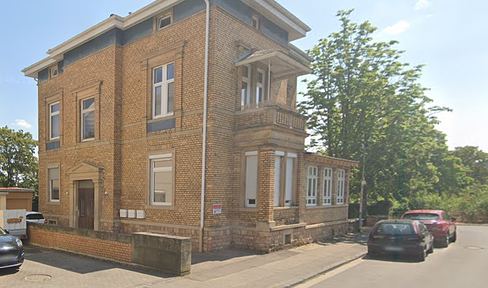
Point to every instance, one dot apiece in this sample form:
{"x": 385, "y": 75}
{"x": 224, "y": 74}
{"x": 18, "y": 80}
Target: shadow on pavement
{"x": 360, "y": 238}
{"x": 392, "y": 258}
{"x": 8, "y": 271}
{"x": 222, "y": 255}
{"x": 79, "y": 263}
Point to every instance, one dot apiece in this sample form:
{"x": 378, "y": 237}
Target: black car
{"x": 11, "y": 251}
{"x": 400, "y": 237}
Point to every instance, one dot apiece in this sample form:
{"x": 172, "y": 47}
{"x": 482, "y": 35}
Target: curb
{"x": 335, "y": 266}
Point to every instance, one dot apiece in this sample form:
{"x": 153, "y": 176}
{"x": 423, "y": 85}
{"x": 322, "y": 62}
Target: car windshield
{"x": 394, "y": 229}
{"x": 35, "y": 216}
{"x": 2, "y": 232}
{"x": 422, "y": 216}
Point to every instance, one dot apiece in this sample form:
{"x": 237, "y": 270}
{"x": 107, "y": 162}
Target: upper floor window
{"x": 341, "y": 182}
{"x": 54, "y": 71}
{"x": 246, "y": 85}
{"x": 253, "y": 89}
{"x": 88, "y": 119}
{"x": 327, "y": 200}
{"x": 53, "y": 179}
{"x": 255, "y": 21}
{"x": 164, "y": 21}
{"x": 312, "y": 186}
{"x": 161, "y": 179}
{"x": 54, "y": 121}
{"x": 163, "y": 92}
{"x": 260, "y": 85}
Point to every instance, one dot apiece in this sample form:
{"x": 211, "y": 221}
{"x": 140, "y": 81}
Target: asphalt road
{"x": 463, "y": 264}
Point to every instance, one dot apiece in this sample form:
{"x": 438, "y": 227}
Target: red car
{"x": 437, "y": 222}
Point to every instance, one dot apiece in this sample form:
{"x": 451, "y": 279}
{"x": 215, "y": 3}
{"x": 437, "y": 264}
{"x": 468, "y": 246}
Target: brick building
{"x": 125, "y": 106}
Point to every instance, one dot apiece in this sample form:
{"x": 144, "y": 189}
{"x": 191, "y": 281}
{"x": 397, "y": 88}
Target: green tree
{"x": 475, "y": 161}
{"x": 18, "y": 164}
{"x": 363, "y": 99}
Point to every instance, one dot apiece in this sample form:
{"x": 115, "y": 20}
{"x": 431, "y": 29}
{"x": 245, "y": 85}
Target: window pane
{"x": 157, "y": 101}
{"x": 55, "y": 126}
{"x": 171, "y": 72}
{"x": 171, "y": 97}
{"x": 260, "y": 77}
{"x": 259, "y": 94}
{"x": 245, "y": 71}
{"x": 89, "y": 125}
{"x": 163, "y": 187}
{"x": 158, "y": 75}
{"x": 89, "y": 104}
{"x": 162, "y": 163}
{"x": 55, "y": 108}
{"x": 244, "y": 98}
{"x": 163, "y": 22}
{"x": 55, "y": 189}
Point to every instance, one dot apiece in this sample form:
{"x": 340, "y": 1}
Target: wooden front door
{"x": 86, "y": 210}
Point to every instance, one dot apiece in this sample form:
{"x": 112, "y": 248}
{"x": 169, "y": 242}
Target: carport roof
{"x": 15, "y": 189}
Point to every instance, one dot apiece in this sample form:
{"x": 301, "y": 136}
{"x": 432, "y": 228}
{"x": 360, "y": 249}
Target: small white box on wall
{"x": 141, "y": 214}
{"x": 131, "y": 213}
{"x": 123, "y": 213}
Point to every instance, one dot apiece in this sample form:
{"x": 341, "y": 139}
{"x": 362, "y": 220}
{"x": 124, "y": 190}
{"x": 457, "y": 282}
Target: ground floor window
{"x": 161, "y": 179}
{"x": 53, "y": 175}
{"x": 312, "y": 186}
{"x": 341, "y": 183}
{"x": 251, "y": 179}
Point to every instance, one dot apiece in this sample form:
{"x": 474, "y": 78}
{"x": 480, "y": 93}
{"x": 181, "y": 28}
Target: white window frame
{"x": 246, "y": 99}
{"x": 312, "y": 179}
{"x": 164, "y": 84}
{"x": 54, "y": 71}
{"x": 51, "y": 115}
{"x": 152, "y": 159}
{"x": 51, "y": 185}
{"x": 290, "y": 175}
{"x": 279, "y": 156}
{"x": 164, "y": 17}
{"x": 83, "y": 112}
{"x": 341, "y": 183}
{"x": 252, "y": 182}
{"x": 255, "y": 19}
{"x": 260, "y": 85}
{"x": 327, "y": 187}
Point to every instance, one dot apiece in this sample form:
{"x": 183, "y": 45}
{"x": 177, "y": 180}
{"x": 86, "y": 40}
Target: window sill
{"x": 54, "y": 202}
{"x": 285, "y": 208}
{"x": 160, "y": 207}
{"x": 326, "y": 206}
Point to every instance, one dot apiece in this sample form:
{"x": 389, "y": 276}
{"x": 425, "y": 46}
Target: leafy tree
{"x": 475, "y": 161}
{"x": 363, "y": 101}
{"x": 18, "y": 164}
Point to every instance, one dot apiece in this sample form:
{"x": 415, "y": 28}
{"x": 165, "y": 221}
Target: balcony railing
{"x": 271, "y": 115}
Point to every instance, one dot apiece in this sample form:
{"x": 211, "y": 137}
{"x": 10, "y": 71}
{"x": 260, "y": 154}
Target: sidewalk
{"x": 285, "y": 268}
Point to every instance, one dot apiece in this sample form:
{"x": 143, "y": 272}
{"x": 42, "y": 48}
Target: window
{"x": 278, "y": 158}
{"x": 327, "y": 200}
{"x": 54, "y": 121}
{"x": 284, "y": 166}
{"x": 164, "y": 21}
{"x": 53, "y": 176}
{"x": 161, "y": 179}
{"x": 54, "y": 72}
{"x": 290, "y": 173}
{"x": 259, "y": 86}
{"x": 88, "y": 119}
{"x": 246, "y": 86}
{"x": 341, "y": 181}
{"x": 251, "y": 179}
{"x": 255, "y": 21}
{"x": 312, "y": 186}
{"x": 163, "y": 91}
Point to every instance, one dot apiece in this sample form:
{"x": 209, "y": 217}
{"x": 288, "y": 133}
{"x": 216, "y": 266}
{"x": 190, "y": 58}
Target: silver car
{"x": 11, "y": 251}
{"x": 35, "y": 217}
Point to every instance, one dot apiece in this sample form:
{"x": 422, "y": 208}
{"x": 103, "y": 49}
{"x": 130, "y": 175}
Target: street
{"x": 462, "y": 264}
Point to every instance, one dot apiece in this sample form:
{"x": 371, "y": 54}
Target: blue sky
{"x": 448, "y": 36}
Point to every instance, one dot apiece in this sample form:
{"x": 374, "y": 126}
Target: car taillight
{"x": 45, "y": 221}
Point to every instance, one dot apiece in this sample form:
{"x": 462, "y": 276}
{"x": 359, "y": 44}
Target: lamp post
{"x": 362, "y": 196}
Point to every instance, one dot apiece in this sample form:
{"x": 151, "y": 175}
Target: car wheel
{"x": 431, "y": 248}
{"x": 454, "y": 237}
{"x": 445, "y": 241}
{"x": 422, "y": 255}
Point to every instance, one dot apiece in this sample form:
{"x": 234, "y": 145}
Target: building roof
{"x": 309, "y": 157}
{"x": 269, "y": 8}
{"x": 15, "y": 189}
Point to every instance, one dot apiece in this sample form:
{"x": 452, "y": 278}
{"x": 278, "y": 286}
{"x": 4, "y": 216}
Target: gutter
{"x": 204, "y": 144}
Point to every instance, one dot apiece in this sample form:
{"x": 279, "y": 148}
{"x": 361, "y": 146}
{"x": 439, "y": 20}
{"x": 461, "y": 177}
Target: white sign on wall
{"x": 217, "y": 209}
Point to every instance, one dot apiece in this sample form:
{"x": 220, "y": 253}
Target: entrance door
{"x": 86, "y": 211}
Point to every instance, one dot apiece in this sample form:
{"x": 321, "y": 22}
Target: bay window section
{"x": 341, "y": 182}
{"x": 312, "y": 186}
{"x": 290, "y": 172}
{"x": 163, "y": 91}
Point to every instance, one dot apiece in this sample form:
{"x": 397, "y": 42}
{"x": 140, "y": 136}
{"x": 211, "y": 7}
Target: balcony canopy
{"x": 281, "y": 64}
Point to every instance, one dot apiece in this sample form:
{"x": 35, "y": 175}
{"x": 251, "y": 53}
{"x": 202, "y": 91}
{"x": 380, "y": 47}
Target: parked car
{"x": 400, "y": 237}
{"x": 11, "y": 251}
{"x": 35, "y": 217}
{"x": 437, "y": 222}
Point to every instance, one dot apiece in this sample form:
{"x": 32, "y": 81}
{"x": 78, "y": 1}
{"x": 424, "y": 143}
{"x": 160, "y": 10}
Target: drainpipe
{"x": 204, "y": 144}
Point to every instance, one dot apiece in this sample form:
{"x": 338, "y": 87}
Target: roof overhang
{"x": 282, "y": 65}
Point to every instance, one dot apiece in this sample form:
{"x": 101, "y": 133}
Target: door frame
{"x": 85, "y": 171}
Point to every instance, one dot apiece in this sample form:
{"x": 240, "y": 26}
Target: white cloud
{"x": 398, "y": 28}
{"x": 22, "y": 124}
{"x": 421, "y": 4}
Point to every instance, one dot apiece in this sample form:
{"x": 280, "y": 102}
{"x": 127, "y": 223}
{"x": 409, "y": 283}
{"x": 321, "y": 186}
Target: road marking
{"x": 331, "y": 274}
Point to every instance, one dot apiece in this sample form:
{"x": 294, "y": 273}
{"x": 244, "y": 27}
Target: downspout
{"x": 204, "y": 144}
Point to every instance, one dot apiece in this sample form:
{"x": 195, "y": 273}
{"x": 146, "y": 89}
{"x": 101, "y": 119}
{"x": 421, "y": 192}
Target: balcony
{"x": 269, "y": 114}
